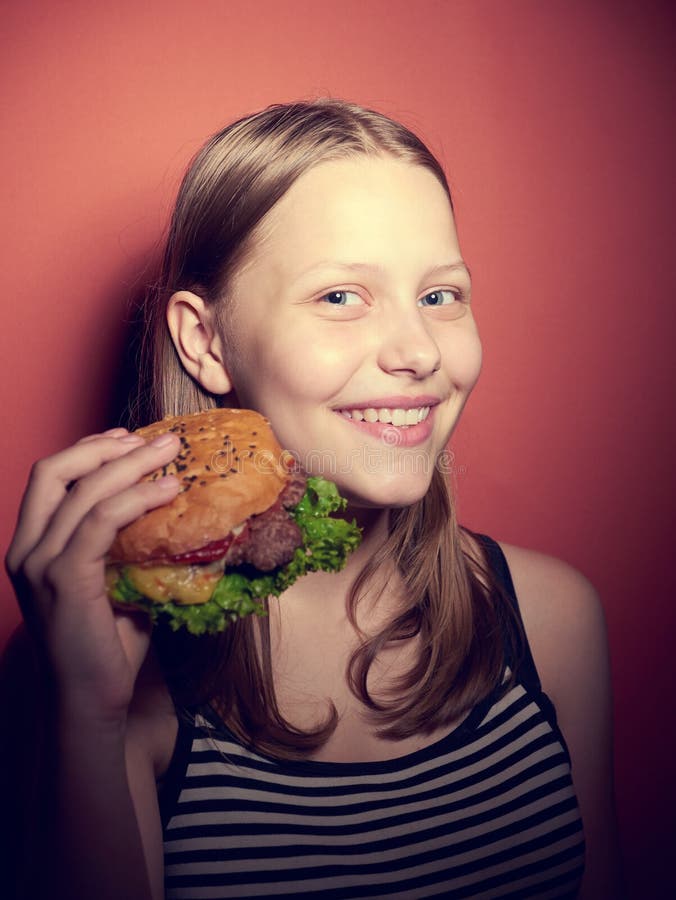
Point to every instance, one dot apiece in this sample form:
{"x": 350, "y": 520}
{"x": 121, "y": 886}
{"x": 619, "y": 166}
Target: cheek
{"x": 463, "y": 357}
{"x": 279, "y": 366}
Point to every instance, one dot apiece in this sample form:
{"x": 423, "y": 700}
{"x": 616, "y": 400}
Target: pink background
{"x": 555, "y": 122}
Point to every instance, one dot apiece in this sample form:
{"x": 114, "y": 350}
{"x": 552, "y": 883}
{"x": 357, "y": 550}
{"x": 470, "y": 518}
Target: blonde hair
{"x": 454, "y": 603}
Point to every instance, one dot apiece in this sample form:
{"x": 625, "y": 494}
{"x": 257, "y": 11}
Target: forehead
{"x": 356, "y": 208}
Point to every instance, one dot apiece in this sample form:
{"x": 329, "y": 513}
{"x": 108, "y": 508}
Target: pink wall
{"x": 552, "y": 121}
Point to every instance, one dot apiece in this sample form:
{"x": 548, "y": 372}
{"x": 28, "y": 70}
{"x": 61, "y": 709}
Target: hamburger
{"x": 246, "y": 524}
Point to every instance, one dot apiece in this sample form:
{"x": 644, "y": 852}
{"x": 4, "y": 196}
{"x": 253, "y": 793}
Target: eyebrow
{"x": 374, "y": 268}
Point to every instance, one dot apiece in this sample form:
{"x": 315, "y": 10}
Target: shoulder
{"x": 538, "y": 573}
{"x": 561, "y": 610}
{"x": 562, "y": 614}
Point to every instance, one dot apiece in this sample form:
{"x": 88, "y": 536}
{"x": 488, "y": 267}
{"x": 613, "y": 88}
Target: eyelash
{"x": 457, "y": 294}
{"x": 337, "y": 291}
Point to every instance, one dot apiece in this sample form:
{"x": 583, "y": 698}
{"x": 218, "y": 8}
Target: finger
{"x": 117, "y": 432}
{"x": 107, "y": 481}
{"x": 92, "y": 538}
{"x": 48, "y": 483}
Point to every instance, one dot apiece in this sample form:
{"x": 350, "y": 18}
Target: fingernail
{"x": 167, "y": 481}
{"x": 114, "y": 432}
{"x": 162, "y": 440}
{"x": 131, "y": 439}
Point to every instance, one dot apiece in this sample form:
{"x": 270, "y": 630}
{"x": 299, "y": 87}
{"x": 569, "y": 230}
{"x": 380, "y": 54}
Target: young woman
{"x": 394, "y": 730}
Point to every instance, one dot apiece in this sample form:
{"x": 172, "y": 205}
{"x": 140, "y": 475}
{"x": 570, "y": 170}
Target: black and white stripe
{"x": 487, "y": 811}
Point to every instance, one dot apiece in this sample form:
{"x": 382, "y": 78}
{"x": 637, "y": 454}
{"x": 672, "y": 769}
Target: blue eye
{"x": 439, "y": 298}
{"x": 341, "y": 298}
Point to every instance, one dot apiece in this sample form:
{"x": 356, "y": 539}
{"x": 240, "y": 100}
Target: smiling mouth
{"x": 402, "y": 418}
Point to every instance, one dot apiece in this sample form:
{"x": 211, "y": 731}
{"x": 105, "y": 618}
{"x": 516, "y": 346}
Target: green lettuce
{"x": 327, "y": 542}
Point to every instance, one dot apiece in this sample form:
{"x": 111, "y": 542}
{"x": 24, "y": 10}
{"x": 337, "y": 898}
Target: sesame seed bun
{"x": 230, "y": 467}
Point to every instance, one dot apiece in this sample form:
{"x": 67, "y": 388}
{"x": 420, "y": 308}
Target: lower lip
{"x": 395, "y": 435}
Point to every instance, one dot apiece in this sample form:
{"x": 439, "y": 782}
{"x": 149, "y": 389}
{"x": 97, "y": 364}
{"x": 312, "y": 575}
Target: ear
{"x": 193, "y": 330}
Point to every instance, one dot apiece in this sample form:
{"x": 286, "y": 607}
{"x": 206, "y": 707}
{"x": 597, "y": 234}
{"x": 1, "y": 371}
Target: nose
{"x": 408, "y": 347}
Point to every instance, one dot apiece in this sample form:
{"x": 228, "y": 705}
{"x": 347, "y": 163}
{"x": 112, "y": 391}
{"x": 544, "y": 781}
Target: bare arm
{"x": 124, "y": 812}
{"x": 98, "y": 839}
{"x": 152, "y": 728}
{"x": 88, "y": 658}
{"x": 565, "y": 625}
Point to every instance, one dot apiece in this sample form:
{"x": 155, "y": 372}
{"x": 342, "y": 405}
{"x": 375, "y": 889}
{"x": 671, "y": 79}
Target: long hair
{"x": 453, "y": 604}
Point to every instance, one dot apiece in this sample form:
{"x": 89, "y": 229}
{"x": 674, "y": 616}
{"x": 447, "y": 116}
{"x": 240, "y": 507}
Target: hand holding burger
{"x": 244, "y": 525}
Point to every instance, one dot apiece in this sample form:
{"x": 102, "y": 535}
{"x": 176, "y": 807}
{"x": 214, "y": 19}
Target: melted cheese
{"x": 183, "y": 584}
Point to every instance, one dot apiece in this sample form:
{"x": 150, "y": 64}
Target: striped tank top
{"x": 488, "y": 811}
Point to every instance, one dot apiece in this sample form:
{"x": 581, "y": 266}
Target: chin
{"x": 386, "y": 494}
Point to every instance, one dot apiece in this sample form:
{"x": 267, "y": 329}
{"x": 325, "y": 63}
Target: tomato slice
{"x": 213, "y": 551}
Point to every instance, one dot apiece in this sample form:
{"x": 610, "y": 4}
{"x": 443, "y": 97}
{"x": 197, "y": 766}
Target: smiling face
{"x": 351, "y": 328}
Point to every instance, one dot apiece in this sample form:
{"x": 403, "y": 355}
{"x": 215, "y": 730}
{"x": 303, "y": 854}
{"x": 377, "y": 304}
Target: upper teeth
{"x": 388, "y": 416}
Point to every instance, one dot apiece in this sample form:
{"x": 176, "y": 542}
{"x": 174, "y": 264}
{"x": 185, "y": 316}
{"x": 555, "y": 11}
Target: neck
{"x": 333, "y": 587}
{"x": 374, "y": 528}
